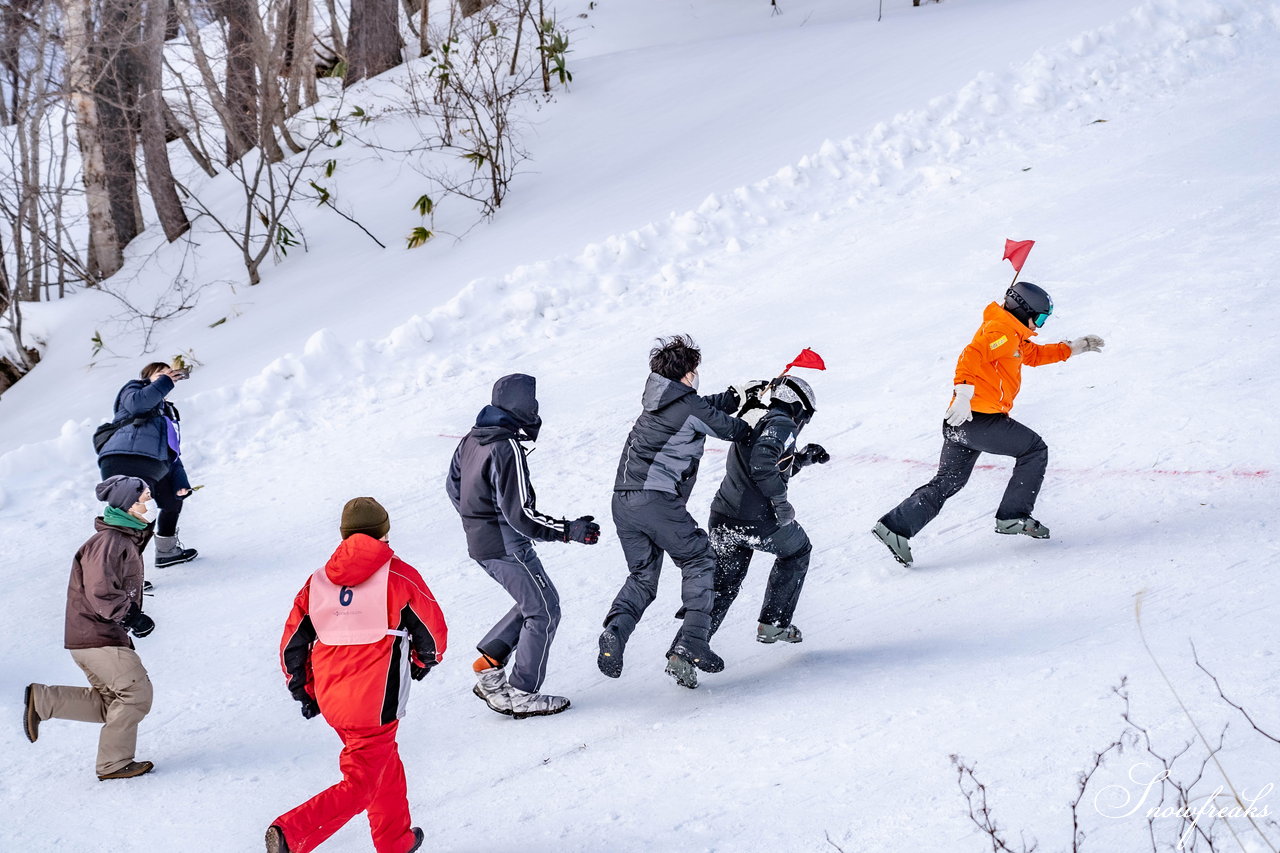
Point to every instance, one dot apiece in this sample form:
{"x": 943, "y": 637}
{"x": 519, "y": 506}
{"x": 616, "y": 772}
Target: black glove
{"x": 785, "y": 512}
{"x": 584, "y": 530}
{"x": 418, "y": 672}
{"x": 310, "y": 708}
{"x": 137, "y": 622}
{"x": 812, "y": 454}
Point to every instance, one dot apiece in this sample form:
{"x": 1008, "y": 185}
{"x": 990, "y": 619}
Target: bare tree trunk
{"x": 117, "y": 96}
{"x": 375, "y": 44}
{"x": 242, "y": 91}
{"x": 297, "y": 30}
{"x": 339, "y": 43}
{"x": 105, "y": 256}
{"x": 235, "y": 139}
{"x": 153, "y": 110}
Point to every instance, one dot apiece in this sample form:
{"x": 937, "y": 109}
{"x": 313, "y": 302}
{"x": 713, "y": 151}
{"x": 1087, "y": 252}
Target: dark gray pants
{"x": 649, "y": 524}
{"x": 734, "y": 543}
{"x": 961, "y": 447}
{"x": 529, "y": 626}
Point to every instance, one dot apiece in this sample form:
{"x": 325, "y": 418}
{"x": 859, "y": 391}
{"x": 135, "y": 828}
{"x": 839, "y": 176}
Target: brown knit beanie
{"x": 364, "y": 515}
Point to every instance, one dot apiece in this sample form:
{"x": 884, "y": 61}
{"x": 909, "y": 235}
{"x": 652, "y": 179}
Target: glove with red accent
{"x": 584, "y": 530}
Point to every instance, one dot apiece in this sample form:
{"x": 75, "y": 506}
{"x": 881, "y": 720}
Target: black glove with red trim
{"x": 584, "y": 530}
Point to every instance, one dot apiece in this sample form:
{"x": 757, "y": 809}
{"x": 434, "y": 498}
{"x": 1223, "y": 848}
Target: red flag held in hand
{"x": 1016, "y": 251}
{"x": 807, "y": 358}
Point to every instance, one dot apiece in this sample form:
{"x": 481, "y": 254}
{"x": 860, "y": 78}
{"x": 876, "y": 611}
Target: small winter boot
{"x": 169, "y": 552}
{"x": 133, "y": 768}
{"x": 30, "y": 719}
{"x": 417, "y": 839}
{"x": 276, "y": 842}
{"x": 610, "y": 658}
{"x": 535, "y": 704}
{"x": 693, "y": 643}
{"x": 899, "y": 546}
{"x": 682, "y": 671}
{"x": 1027, "y": 526}
{"x": 766, "y": 633}
{"x": 491, "y": 686}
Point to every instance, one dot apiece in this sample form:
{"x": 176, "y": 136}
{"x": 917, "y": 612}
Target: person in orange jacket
{"x": 988, "y": 376}
{"x": 360, "y": 629}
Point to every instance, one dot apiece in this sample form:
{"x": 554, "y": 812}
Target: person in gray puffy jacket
{"x": 489, "y": 486}
{"x": 656, "y": 475}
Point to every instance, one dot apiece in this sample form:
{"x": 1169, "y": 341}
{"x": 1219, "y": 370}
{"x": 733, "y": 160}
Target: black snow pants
{"x": 961, "y": 447}
{"x": 734, "y": 543}
{"x": 648, "y": 524}
{"x": 159, "y": 480}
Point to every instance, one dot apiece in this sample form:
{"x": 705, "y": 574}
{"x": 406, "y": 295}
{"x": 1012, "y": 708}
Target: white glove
{"x": 748, "y": 391}
{"x": 960, "y": 411}
{"x": 1089, "y": 343}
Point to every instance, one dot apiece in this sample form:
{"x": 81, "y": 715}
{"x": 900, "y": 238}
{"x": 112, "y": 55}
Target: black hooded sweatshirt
{"x": 489, "y": 476}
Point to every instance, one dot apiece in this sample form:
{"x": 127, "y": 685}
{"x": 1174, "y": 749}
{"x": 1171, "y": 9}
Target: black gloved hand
{"x": 784, "y": 511}
{"x": 137, "y": 622}
{"x": 417, "y": 671}
{"x": 310, "y": 708}
{"x": 584, "y": 530}
{"x": 812, "y": 454}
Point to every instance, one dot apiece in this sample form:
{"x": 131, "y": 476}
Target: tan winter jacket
{"x": 106, "y": 582}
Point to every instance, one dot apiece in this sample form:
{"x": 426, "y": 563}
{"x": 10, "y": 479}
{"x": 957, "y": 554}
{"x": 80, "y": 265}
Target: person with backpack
{"x": 751, "y": 511}
{"x": 145, "y": 440}
{"x": 656, "y": 475}
{"x": 987, "y": 379}
{"x": 489, "y": 486}
{"x": 361, "y": 628}
{"x": 104, "y": 606}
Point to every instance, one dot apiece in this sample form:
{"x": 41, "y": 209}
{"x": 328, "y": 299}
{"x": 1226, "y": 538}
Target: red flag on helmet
{"x": 807, "y": 358}
{"x": 1016, "y": 251}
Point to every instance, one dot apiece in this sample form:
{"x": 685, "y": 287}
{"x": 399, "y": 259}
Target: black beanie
{"x": 364, "y": 515}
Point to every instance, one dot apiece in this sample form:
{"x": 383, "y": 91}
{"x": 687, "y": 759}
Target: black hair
{"x": 675, "y": 357}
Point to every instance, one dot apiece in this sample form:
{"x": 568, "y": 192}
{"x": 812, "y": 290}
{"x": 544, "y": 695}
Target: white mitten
{"x": 1089, "y": 343}
{"x": 960, "y": 411}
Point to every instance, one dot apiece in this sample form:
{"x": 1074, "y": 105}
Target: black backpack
{"x": 103, "y": 433}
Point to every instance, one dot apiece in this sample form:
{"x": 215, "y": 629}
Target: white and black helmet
{"x": 793, "y": 389}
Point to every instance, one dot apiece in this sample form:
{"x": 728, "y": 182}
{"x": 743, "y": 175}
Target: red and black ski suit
{"x": 360, "y": 686}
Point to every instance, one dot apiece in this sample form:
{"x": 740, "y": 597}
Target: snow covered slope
{"x": 857, "y": 206}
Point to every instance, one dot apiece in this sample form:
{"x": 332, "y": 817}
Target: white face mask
{"x": 696, "y": 377}
{"x": 151, "y": 512}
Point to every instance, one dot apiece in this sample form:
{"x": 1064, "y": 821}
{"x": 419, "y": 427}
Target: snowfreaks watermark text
{"x": 1118, "y": 802}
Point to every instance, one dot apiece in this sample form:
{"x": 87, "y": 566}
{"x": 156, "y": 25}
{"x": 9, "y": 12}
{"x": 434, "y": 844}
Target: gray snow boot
{"x": 899, "y": 546}
{"x": 1027, "y": 526}
{"x": 169, "y": 552}
{"x": 535, "y": 704}
{"x": 774, "y": 634}
{"x": 682, "y": 671}
{"x": 492, "y": 688}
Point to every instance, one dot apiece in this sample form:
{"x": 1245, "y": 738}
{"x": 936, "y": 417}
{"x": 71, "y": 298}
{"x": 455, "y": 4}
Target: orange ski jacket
{"x": 364, "y": 685}
{"x": 992, "y": 362}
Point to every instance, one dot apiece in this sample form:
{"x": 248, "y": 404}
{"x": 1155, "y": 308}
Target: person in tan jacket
{"x": 987, "y": 379}
{"x": 104, "y": 606}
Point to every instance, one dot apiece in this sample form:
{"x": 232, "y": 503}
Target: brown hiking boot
{"x": 30, "y": 719}
{"x": 275, "y": 840}
{"x": 133, "y": 768}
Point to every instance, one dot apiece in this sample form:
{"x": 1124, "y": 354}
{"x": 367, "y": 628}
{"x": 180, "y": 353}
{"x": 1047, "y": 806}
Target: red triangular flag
{"x": 1016, "y": 251}
{"x": 807, "y": 358}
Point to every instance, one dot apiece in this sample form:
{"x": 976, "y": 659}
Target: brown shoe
{"x": 275, "y": 840}
{"x": 133, "y": 768}
{"x": 30, "y": 719}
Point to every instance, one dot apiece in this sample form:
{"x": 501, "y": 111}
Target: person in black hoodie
{"x": 751, "y": 511}
{"x": 656, "y": 474}
{"x": 489, "y": 486}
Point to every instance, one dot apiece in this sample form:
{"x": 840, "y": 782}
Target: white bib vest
{"x": 351, "y": 615}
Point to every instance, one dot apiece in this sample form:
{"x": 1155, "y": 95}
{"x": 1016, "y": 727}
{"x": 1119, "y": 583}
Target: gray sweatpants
{"x": 961, "y": 447}
{"x": 529, "y": 626}
{"x": 648, "y": 524}
{"x": 119, "y": 698}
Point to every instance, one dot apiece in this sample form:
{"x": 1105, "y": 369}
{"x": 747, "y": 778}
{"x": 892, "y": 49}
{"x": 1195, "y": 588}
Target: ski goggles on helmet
{"x": 1041, "y": 318}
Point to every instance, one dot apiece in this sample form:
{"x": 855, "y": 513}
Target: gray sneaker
{"x": 682, "y": 671}
{"x": 534, "y": 704}
{"x": 899, "y": 546}
{"x": 1026, "y": 526}
{"x": 775, "y": 634}
{"x": 492, "y": 688}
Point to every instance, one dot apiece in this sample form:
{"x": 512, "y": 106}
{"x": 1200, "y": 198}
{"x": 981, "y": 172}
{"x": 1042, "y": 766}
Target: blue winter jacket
{"x": 148, "y": 434}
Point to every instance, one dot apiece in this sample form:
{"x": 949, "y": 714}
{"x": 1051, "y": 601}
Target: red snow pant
{"x": 372, "y": 781}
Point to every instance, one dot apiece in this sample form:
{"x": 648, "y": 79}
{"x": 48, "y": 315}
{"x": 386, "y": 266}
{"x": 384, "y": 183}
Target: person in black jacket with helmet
{"x": 489, "y": 486}
{"x": 751, "y": 511}
{"x": 656, "y": 474}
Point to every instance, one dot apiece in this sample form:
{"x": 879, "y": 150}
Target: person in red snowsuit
{"x": 360, "y": 629}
